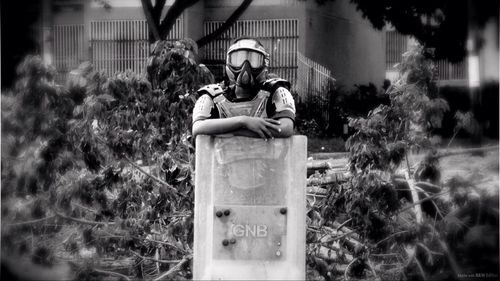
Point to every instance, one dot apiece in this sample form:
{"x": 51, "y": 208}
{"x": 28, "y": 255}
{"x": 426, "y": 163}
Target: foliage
{"x": 115, "y": 164}
{"x": 310, "y": 119}
{"x": 467, "y": 122}
{"x": 33, "y": 127}
{"x": 442, "y": 25}
{"x": 341, "y": 103}
{"x": 356, "y": 102}
{"x": 390, "y": 130}
{"x": 383, "y": 139}
{"x": 18, "y": 41}
{"x": 377, "y": 201}
{"x": 102, "y": 170}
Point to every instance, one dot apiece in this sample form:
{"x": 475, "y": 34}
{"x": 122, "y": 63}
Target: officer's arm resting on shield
{"x": 279, "y": 126}
{"x": 246, "y": 67}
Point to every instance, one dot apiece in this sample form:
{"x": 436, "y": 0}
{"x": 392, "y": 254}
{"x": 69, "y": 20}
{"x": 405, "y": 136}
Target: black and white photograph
{"x": 328, "y": 140}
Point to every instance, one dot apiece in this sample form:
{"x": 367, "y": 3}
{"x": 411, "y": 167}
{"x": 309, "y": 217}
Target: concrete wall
{"x": 488, "y": 54}
{"x": 193, "y": 21}
{"x": 69, "y": 14}
{"x": 338, "y": 37}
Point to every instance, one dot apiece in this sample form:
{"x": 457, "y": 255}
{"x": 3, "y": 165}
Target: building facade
{"x": 309, "y": 43}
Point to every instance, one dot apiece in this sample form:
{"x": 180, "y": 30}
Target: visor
{"x": 238, "y": 57}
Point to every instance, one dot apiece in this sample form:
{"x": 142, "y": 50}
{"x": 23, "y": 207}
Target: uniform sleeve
{"x": 283, "y": 103}
{"x": 205, "y": 108}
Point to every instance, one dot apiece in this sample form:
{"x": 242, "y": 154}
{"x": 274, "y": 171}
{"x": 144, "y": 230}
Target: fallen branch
{"x": 466, "y": 150}
{"x": 338, "y": 226}
{"x": 316, "y": 189}
{"x": 451, "y": 258}
{"x": 414, "y": 195}
{"x": 328, "y": 259}
{"x": 112, "y": 273}
{"x": 390, "y": 236}
{"x": 175, "y": 269}
{"x": 153, "y": 259}
{"x": 384, "y": 255}
{"x": 319, "y": 195}
{"x": 422, "y": 200}
{"x": 347, "y": 269}
{"x": 329, "y": 155}
{"x": 335, "y": 177}
{"x": 164, "y": 243}
{"x": 344, "y": 224}
{"x": 425, "y": 186}
{"x": 83, "y": 207}
{"x": 370, "y": 265}
{"x": 317, "y": 165}
{"x": 83, "y": 221}
{"x": 140, "y": 169}
{"x": 30, "y": 222}
{"x": 337, "y": 238}
{"x": 313, "y": 230}
{"x": 116, "y": 264}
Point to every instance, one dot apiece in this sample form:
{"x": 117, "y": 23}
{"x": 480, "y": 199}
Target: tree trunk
{"x": 172, "y": 14}
{"x": 159, "y": 29}
{"x": 226, "y": 25}
{"x": 152, "y": 20}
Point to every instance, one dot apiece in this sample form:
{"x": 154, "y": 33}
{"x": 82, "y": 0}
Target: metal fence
{"x": 279, "y": 36}
{"x": 69, "y": 50}
{"x": 120, "y": 45}
{"x": 397, "y": 44}
{"x": 451, "y": 71}
{"x": 313, "y": 84}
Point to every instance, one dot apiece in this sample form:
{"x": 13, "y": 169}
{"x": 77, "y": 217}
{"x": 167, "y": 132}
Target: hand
{"x": 262, "y": 126}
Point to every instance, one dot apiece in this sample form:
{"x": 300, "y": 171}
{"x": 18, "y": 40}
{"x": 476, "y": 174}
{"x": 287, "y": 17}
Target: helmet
{"x": 247, "y": 62}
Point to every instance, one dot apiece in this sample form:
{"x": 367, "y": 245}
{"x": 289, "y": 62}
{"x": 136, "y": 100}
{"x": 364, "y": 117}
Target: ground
{"x": 482, "y": 167}
{"x": 317, "y": 144}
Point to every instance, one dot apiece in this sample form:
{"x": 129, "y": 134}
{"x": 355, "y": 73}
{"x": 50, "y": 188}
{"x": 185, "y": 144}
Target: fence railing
{"x": 120, "y": 45}
{"x": 451, "y": 71}
{"x": 279, "y": 37}
{"x": 68, "y": 46}
{"x": 397, "y": 44}
{"x": 313, "y": 84}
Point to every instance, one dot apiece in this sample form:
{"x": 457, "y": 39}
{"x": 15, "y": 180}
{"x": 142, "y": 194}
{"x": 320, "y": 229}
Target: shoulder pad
{"x": 212, "y": 89}
{"x": 274, "y": 83}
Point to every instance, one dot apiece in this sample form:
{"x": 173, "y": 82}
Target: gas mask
{"x": 246, "y": 64}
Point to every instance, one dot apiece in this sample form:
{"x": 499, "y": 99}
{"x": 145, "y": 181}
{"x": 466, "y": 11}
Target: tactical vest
{"x": 255, "y": 107}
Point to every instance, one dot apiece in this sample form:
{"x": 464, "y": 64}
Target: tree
{"x": 108, "y": 158}
{"x": 18, "y": 41}
{"x": 443, "y": 25}
{"x": 159, "y": 28}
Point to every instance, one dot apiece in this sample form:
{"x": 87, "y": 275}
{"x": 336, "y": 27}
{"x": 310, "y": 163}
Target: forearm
{"x": 286, "y": 128}
{"x": 244, "y": 126}
{"x": 217, "y": 126}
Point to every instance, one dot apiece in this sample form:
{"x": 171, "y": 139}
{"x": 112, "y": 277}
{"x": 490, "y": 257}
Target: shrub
{"x": 108, "y": 159}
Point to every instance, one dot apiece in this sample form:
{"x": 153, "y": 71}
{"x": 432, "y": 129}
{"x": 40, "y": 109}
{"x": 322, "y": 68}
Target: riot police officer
{"x": 253, "y": 104}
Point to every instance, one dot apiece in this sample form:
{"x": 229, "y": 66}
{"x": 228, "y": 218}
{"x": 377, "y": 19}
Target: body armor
{"x": 214, "y": 96}
{"x": 255, "y": 107}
